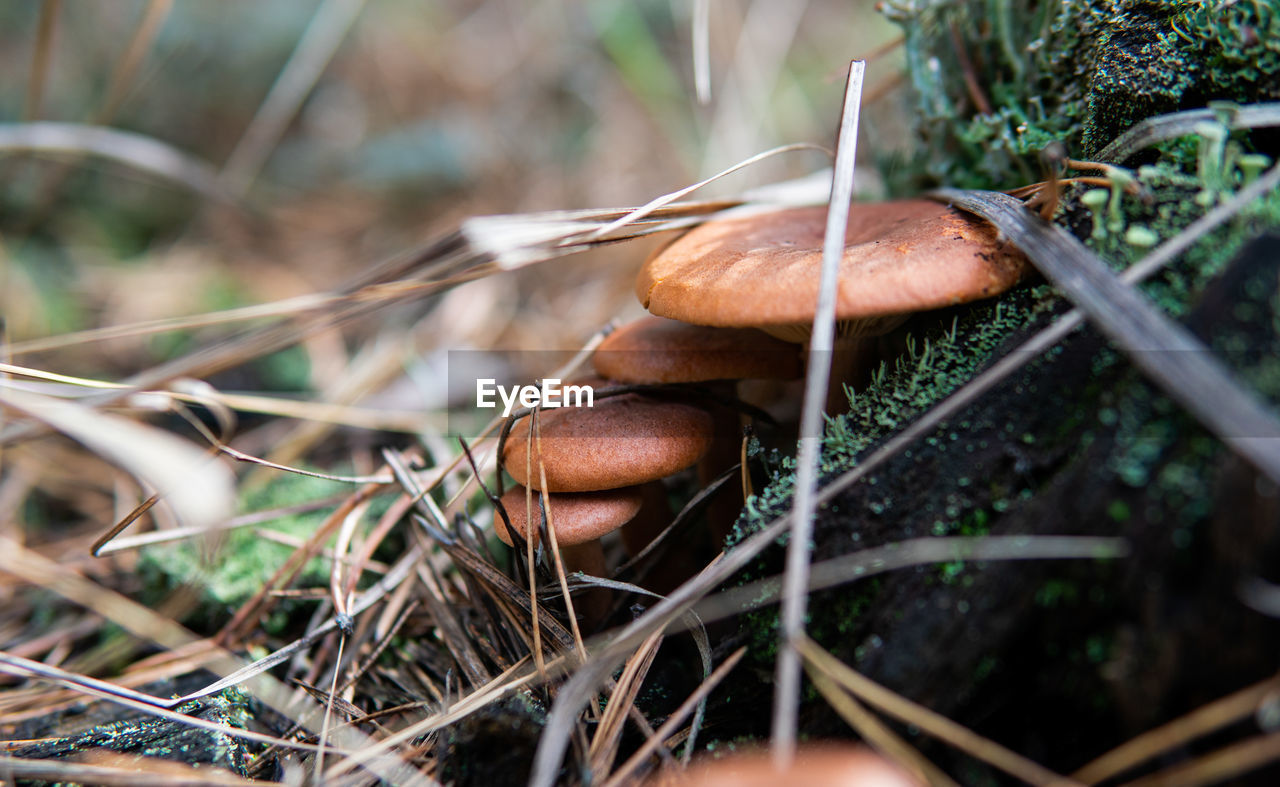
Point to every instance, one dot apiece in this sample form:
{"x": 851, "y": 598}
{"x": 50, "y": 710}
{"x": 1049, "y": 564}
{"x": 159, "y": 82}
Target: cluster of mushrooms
{"x": 732, "y": 300}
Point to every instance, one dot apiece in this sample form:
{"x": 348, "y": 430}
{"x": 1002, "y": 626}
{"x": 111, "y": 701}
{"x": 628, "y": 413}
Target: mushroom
{"x": 655, "y": 350}
{"x": 763, "y": 271}
{"x": 619, "y": 441}
{"x": 815, "y": 765}
{"x": 581, "y": 519}
{"x": 627, "y": 440}
{"x": 659, "y": 350}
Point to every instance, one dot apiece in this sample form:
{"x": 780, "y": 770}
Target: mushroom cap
{"x": 659, "y": 350}
{"x": 579, "y": 517}
{"x": 621, "y": 441}
{"x": 815, "y": 765}
{"x": 763, "y": 270}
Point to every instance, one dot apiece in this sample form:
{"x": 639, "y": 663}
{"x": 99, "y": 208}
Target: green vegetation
{"x": 228, "y": 573}
{"x": 1077, "y": 72}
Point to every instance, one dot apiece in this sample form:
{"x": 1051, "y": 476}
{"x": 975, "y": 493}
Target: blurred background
{"x": 319, "y": 138}
{"x": 411, "y": 116}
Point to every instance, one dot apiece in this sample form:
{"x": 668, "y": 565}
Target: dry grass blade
{"x": 40, "y": 58}
{"x": 1170, "y": 355}
{"x": 337, "y": 703}
{"x": 702, "y": 50}
{"x": 451, "y": 631}
{"x": 874, "y": 732}
{"x": 514, "y": 241}
{"x": 929, "y": 722}
{"x": 342, "y": 414}
{"x": 134, "y": 150}
{"x": 110, "y": 545}
{"x": 913, "y": 552}
{"x": 146, "y": 703}
{"x": 138, "y": 619}
{"x": 26, "y": 668}
{"x": 693, "y": 624}
{"x": 1216, "y": 768}
{"x": 666, "y": 199}
{"x": 317, "y": 47}
{"x": 786, "y": 698}
{"x": 398, "y": 573}
{"x": 281, "y": 308}
{"x": 1178, "y": 732}
{"x": 608, "y": 734}
{"x": 126, "y": 69}
{"x": 677, "y": 717}
{"x": 582, "y": 684}
{"x": 517, "y": 677}
{"x": 146, "y": 772}
{"x": 682, "y": 519}
{"x": 199, "y": 491}
{"x": 1177, "y": 124}
{"x": 501, "y": 586}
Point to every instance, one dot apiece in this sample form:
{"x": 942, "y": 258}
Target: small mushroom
{"x": 815, "y": 765}
{"x": 763, "y": 271}
{"x": 627, "y": 440}
{"x": 659, "y": 350}
{"x": 655, "y": 350}
{"x": 620, "y": 441}
{"x": 581, "y": 519}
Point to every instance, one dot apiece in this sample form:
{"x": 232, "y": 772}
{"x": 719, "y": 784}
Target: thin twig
{"x": 929, "y": 722}
{"x": 675, "y": 719}
{"x": 876, "y": 732}
{"x": 142, "y": 153}
{"x": 786, "y": 698}
{"x": 1201, "y": 721}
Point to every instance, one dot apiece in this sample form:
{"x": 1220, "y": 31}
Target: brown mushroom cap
{"x": 815, "y": 765}
{"x": 579, "y": 517}
{"x": 763, "y": 270}
{"x": 659, "y": 350}
{"x": 621, "y": 441}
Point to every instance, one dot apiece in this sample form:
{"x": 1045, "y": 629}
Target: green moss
{"x": 934, "y": 365}
{"x": 244, "y": 561}
{"x": 1078, "y": 72}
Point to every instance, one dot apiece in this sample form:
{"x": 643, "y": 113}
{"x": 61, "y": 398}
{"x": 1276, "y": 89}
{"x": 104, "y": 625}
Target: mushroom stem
{"x": 655, "y": 515}
{"x": 592, "y": 605}
{"x": 653, "y": 518}
{"x": 580, "y": 519}
{"x": 726, "y": 448}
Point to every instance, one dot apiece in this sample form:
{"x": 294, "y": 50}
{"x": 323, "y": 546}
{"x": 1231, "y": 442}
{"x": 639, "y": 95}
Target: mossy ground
{"x": 233, "y": 566}
{"x": 1077, "y": 442}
